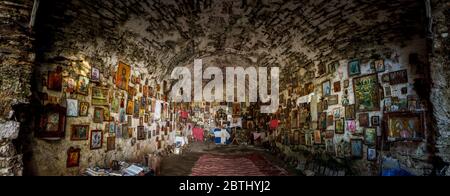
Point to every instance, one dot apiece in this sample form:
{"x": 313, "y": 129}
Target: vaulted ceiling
{"x": 164, "y": 34}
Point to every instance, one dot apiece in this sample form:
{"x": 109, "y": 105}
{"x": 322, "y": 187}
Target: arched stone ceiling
{"x": 164, "y": 34}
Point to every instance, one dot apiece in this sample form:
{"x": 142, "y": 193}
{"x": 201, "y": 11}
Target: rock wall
{"x": 16, "y": 66}
{"x": 440, "y": 73}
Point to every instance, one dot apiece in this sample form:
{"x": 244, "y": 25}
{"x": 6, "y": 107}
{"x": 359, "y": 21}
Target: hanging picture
{"x": 387, "y": 91}
{"x": 375, "y": 121}
{"x": 333, "y": 100}
{"x": 354, "y": 68}
{"x": 52, "y": 123}
{"x": 79, "y": 132}
{"x": 370, "y": 136}
{"x": 112, "y": 128}
{"x": 110, "y": 143}
{"x": 122, "y": 115}
{"x": 115, "y": 105}
{"x": 337, "y": 87}
{"x": 100, "y": 96}
{"x": 136, "y": 109}
{"x": 106, "y": 114}
{"x": 130, "y": 107}
{"x": 72, "y": 108}
{"x": 357, "y": 148}
{"x": 99, "y": 115}
{"x": 323, "y": 121}
{"x": 83, "y": 85}
{"x": 84, "y": 109}
{"x": 350, "y": 126}
{"x": 398, "y": 77}
{"x": 96, "y": 139}
{"x": 339, "y": 128}
{"x": 130, "y": 132}
{"x": 130, "y": 121}
{"x": 141, "y": 133}
{"x": 350, "y": 113}
{"x": 73, "y": 157}
{"x": 317, "y": 137}
{"x": 308, "y": 139}
{"x": 379, "y": 66}
{"x": 385, "y": 78}
{"x": 95, "y": 75}
{"x": 364, "y": 120}
{"x": 405, "y": 126}
{"x": 123, "y": 76}
{"x": 55, "y": 80}
{"x": 146, "y": 118}
{"x": 125, "y": 132}
{"x": 346, "y": 83}
{"x": 372, "y": 154}
{"x": 337, "y": 113}
{"x": 330, "y": 120}
{"x": 326, "y": 88}
{"x": 367, "y": 96}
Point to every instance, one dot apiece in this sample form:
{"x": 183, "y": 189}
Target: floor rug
{"x": 246, "y": 165}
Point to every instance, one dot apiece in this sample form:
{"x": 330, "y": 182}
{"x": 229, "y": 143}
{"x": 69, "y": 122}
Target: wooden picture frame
{"x": 72, "y": 108}
{"x": 354, "y": 68}
{"x": 83, "y": 85}
{"x": 317, "y": 137}
{"x": 52, "y": 123}
{"x": 96, "y": 141}
{"x": 95, "y": 75}
{"x": 99, "y": 115}
{"x": 398, "y": 77}
{"x": 79, "y": 132}
{"x": 376, "y": 121}
{"x": 333, "y": 100}
{"x": 55, "y": 80}
{"x": 372, "y": 154}
{"x": 110, "y": 144}
{"x": 337, "y": 87}
{"x": 84, "y": 109}
{"x": 141, "y": 133}
{"x": 326, "y": 88}
{"x": 73, "y": 157}
{"x": 350, "y": 112}
{"x": 100, "y": 96}
{"x": 357, "y": 148}
{"x": 370, "y": 136}
{"x": 339, "y": 127}
{"x": 364, "y": 120}
{"x": 380, "y": 66}
{"x": 367, "y": 93}
{"x": 123, "y": 76}
{"x": 404, "y": 126}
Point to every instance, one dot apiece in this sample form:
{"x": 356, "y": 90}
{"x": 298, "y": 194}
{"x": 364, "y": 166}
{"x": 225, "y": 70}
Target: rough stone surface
{"x": 9, "y": 130}
{"x": 7, "y": 150}
{"x": 440, "y": 73}
{"x": 16, "y": 67}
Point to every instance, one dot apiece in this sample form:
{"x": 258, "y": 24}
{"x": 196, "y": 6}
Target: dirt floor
{"x": 224, "y": 161}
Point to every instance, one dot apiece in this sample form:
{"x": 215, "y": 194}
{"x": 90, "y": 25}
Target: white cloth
{"x": 223, "y": 134}
{"x": 158, "y": 110}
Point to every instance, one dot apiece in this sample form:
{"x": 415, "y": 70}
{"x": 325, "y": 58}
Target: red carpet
{"x": 246, "y": 165}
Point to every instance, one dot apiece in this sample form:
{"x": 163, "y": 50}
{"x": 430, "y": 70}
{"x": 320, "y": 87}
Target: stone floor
{"x": 206, "y": 159}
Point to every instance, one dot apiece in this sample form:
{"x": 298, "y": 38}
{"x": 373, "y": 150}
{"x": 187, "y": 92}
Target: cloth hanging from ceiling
{"x": 198, "y": 134}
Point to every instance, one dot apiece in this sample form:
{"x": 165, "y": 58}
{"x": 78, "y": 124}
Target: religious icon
{"x": 123, "y": 76}
{"x": 55, "y": 80}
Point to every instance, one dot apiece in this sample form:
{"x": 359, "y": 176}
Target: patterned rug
{"x": 245, "y": 165}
